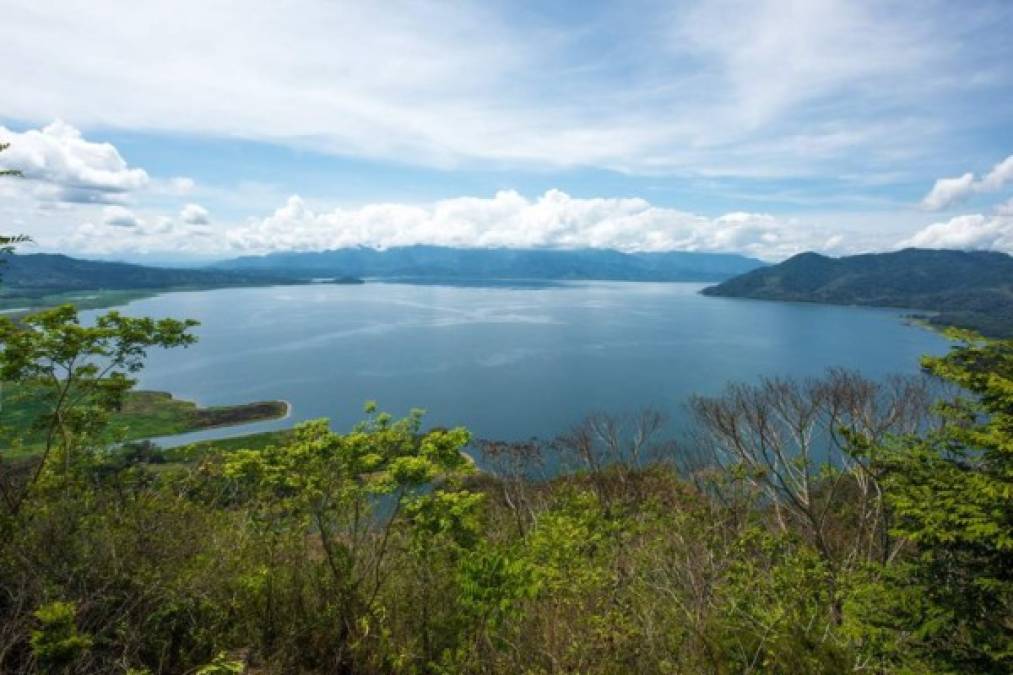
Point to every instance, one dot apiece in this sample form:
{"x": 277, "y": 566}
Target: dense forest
{"x": 966, "y": 289}
{"x": 825, "y": 525}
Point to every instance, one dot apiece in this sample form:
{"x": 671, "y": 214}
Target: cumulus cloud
{"x": 195, "y": 214}
{"x": 152, "y": 234}
{"x": 968, "y": 232}
{"x": 505, "y": 220}
{"x": 118, "y": 216}
{"x": 63, "y": 166}
{"x": 947, "y": 191}
{"x": 510, "y": 220}
{"x": 999, "y": 176}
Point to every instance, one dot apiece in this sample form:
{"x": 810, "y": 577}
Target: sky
{"x": 203, "y": 129}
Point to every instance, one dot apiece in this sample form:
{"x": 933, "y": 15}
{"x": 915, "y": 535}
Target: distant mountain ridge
{"x": 969, "y": 289}
{"x": 443, "y": 263}
{"x": 42, "y": 273}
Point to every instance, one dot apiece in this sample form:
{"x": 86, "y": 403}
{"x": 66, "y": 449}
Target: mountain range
{"x": 441, "y": 263}
{"x": 41, "y": 278}
{"x": 967, "y": 289}
{"x": 39, "y": 274}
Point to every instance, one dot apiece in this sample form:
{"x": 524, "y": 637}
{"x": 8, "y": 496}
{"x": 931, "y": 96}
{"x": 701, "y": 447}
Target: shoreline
{"x": 199, "y": 408}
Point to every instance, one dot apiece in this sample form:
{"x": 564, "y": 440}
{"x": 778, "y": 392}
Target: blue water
{"x": 507, "y": 362}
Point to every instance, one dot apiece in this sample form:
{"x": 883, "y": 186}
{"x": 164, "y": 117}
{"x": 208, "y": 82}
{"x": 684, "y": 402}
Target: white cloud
{"x": 151, "y": 235}
{"x": 118, "y": 216}
{"x": 161, "y": 226}
{"x": 509, "y": 220}
{"x": 177, "y": 186}
{"x": 720, "y": 88}
{"x": 999, "y": 176}
{"x": 195, "y": 214}
{"x": 969, "y": 232}
{"x": 948, "y": 191}
{"x": 62, "y": 166}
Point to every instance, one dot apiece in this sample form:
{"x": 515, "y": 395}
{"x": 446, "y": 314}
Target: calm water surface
{"x": 508, "y": 363}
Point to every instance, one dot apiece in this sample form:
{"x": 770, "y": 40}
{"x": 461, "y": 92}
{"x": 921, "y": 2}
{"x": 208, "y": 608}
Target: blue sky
{"x": 191, "y": 130}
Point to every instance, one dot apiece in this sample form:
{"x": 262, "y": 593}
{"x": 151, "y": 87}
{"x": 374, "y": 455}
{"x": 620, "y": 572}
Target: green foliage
{"x": 78, "y": 374}
{"x": 565, "y": 543}
{"x": 951, "y": 493}
{"x": 57, "y": 643}
{"x": 776, "y": 609}
{"x": 383, "y": 550}
{"x": 492, "y": 583}
{"x": 142, "y": 414}
{"x": 365, "y": 497}
{"x": 221, "y": 665}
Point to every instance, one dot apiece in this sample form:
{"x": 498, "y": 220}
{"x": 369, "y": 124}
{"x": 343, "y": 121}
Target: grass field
{"x": 145, "y": 414}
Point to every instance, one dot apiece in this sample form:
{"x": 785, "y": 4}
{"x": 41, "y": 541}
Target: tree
{"x": 791, "y": 441}
{"x": 951, "y": 494}
{"x": 57, "y": 642}
{"x": 514, "y": 466}
{"x": 77, "y": 374}
{"x": 612, "y": 449}
{"x": 354, "y": 494}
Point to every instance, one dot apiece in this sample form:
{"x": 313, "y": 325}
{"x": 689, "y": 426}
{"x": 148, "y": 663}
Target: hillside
{"x": 29, "y": 278}
{"x": 441, "y": 263}
{"x": 968, "y": 289}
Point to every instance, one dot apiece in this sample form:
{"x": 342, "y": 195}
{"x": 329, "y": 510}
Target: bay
{"x": 509, "y": 361}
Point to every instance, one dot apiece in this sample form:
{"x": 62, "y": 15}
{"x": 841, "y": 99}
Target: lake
{"x": 509, "y": 362}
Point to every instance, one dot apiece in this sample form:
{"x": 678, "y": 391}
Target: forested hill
{"x": 41, "y": 274}
{"x": 442, "y": 263}
{"x": 969, "y": 289}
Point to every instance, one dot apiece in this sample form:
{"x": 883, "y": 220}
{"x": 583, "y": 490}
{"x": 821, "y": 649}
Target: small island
{"x": 340, "y": 281}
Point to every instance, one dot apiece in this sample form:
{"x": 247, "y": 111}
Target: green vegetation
{"x": 201, "y": 449}
{"x": 826, "y": 525}
{"x": 972, "y": 290}
{"x": 142, "y": 414}
{"x": 42, "y": 280}
{"x": 15, "y": 304}
{"x": 146, "y": 414}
